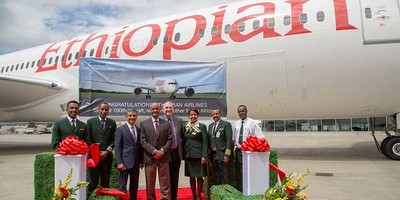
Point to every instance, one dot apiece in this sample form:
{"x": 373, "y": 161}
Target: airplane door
{"x": 261, "y": 80}
{"x": 380, "y": 21}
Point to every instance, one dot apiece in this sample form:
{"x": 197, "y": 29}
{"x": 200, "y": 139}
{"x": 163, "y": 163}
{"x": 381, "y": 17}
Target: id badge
{"x": 217, "y": 134}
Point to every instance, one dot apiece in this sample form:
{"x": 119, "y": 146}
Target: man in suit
{"x": 156, "y": 140}
{"x": 220, "y": 140}
{"x": 128, "y": 154}
{"x": 176, "y": 147}
{"x": 102, "y": 131}
{"x": 70, "y": 126}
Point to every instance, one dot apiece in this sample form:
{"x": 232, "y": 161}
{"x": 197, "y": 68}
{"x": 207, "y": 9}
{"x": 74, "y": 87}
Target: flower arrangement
{"x": 288, "y": 189}
{"x": 62, "y": 192}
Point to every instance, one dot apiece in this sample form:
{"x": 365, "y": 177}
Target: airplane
{"x": 285, "y": 59}
{"x": 158, "y": 86}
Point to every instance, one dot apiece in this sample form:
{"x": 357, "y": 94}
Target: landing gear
{"x": 390, "y": 146}
{"x": 172, "y": 96}
{"x": 148, "y": 96}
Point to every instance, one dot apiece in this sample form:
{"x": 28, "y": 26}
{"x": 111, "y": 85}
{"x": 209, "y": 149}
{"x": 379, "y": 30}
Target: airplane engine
{"x": 189, "y": 92}
{"x": 138, "y": 91}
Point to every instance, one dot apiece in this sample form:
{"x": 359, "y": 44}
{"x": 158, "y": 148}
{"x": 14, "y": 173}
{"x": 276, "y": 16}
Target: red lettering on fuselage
{"x": 263, "y": 11}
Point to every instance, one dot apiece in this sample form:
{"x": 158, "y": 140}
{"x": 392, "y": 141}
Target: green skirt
{"x": 194, "y": 168}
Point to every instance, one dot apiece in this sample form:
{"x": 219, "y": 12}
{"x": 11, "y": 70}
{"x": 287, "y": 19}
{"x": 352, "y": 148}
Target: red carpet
{"x": 183, "y": 194}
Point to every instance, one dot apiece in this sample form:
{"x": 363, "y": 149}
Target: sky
{"x": 30, "y": 23}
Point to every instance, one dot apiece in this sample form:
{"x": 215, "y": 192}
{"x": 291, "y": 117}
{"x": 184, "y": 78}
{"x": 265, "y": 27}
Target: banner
{"x": 135, "y": 84}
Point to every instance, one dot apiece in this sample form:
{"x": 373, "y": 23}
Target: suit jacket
{"x": 104, "y": 136}
{"x": 196, "y": 145}
{"x": 222, "y": 138}
{"x": 63, "y": 128}
{"x": 151, "y": 140}
{"x": 180, "y": 129}
{"x": 127, "y": 151}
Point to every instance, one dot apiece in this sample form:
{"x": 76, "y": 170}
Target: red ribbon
{"x": 111, "y": 192}
{"x": 73, "y": 146}
{"x": 281, "y": 175}
{"x": 253, "y": 143}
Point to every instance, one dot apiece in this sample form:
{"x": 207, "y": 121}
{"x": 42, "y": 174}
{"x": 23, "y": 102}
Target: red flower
{"x": 64, "y": 191}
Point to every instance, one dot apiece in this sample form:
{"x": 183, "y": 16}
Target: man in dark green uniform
{"x": 70, "y": 126}
{"x": 220, "y": 140}
{"x": 102, "y": 131}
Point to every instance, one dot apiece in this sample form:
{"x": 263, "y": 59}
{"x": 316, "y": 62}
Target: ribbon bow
{"x": 111, "y": 192}
{"x": 73, "y": 146}
{"x": 253, "y": 143}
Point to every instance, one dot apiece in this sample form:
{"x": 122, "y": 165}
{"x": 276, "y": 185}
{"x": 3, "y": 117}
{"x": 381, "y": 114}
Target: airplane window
{"x": 69, "y": 56}
{"x": 320, "y": 16}
{"x": 76, "y": 55}
{"x": 12, "y": 67}
{"x": 84, "y": 54}
{"x": 37, "y": 64}
{"x": 22, "y": 66}
{"x": 242, "y": 26}
{"x": 27, "y": 65}
{"x": 271, "y": 22}
{"x": 2, "y": 69}
{"x": 214, "y": 31}
{"x": 55, "y": 61}
{"x": 44, "y": 62}
{"x": 33, "y": 64}
{"x": 227, "y": 29}
{"x": 91, "y": 52}
{"x": 177, "y": 37}
{"x": 16, "y": 67}
{"x": 303, "y": 18}
{"x": 62, "y": 58}
{"x": 256, "y": 24}
{"x": 165, "y": 39}
{"x": 201, "y": 33}
{"x": 7, "y": 69}
{"x": 286, "y": 20}
{"x": 368, "y": 13}
{"x": 155, "y": 41}
{"x": 50, "y": 60}
{"x": 106, "y": 52}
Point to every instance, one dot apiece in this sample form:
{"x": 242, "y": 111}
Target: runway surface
{"x": 343, "y": 166}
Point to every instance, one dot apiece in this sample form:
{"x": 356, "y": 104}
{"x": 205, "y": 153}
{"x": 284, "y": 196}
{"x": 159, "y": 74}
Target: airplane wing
{"x": 17, "y": 90}
{"x": 134, "y": 85}
{"x": 198, "y": 85}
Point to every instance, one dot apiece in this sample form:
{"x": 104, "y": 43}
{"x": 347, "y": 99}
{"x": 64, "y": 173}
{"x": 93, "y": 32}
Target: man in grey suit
{"x": 156, "y": 140}
{"x": 176, "y": 147}
{"x": 128, "y": 154}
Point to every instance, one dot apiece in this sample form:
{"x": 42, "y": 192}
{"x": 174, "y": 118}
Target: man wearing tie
{"x": 241, "y": 129}
{"x": 176, "y": 147}
{"x": 156, "y": 140}
{"x": 70, "y": 126}
{"x": 128, "y": 154}
{"x": 102, "y": 131}
{"x": 220, "y": 141}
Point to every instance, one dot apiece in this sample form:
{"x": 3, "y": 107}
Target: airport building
{"x": 328, "y": 125}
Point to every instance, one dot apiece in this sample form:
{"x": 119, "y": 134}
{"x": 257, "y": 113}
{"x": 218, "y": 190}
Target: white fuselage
{"x": 297, "y": 59}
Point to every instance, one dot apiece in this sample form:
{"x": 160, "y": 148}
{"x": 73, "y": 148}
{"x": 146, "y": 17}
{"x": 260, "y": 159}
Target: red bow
{"x": 73, "y": 146}
{"x": 253, "y": 143}
{"x": 111, "y": 192}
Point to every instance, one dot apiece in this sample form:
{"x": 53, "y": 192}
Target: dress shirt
{"x": 250, "y": 127}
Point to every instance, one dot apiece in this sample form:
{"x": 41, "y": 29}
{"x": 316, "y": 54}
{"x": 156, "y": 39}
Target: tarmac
{"x": 343, "y": 165}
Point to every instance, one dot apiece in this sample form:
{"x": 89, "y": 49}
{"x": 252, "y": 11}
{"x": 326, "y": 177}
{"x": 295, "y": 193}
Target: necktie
{"x": 133, "y": 133}
{"x": 241, "y": 134}
{"x": 103, "y": 122}
{"x": 73, "y": 124}
{"x": 171, "y": 123}
{"x": 156, "y": 125}
{"x": 213, "y": 139}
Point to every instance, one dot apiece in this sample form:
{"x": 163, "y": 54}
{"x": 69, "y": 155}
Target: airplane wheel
{"x": 384, "y": 144}
{"x": 393, "y": 148}
{"x": 148, "y": 97}
{"x": 172, "y": 97}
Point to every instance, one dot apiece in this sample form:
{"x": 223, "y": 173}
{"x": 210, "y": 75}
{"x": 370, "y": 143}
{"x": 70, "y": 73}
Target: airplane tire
{"x": 384, "y": 144}
{"x": 393, "y": 148}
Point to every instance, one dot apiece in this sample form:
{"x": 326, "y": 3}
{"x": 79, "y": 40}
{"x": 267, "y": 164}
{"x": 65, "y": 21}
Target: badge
{"x": 217, "y": 134}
